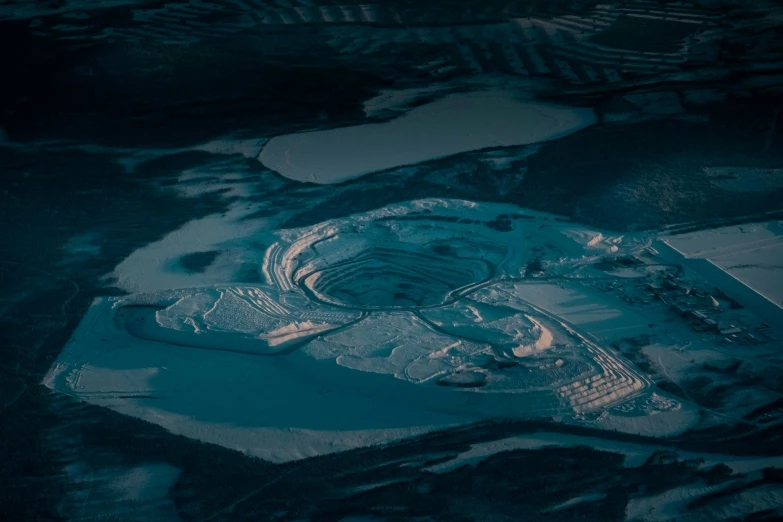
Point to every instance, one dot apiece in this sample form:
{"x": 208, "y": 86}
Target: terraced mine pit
{"x": 388, "y": 278}
{"x": 418, "y": 315}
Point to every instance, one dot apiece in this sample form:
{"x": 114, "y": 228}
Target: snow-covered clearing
{"x": 155, "y": 266}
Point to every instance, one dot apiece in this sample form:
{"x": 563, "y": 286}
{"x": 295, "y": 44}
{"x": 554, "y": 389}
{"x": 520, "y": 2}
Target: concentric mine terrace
{"x": 419, "y": 315}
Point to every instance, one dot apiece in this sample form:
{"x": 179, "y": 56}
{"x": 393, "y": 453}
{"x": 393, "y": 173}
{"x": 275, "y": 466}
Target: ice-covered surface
{"x": 751, "y": 253}
{"x": 454, "y": 124}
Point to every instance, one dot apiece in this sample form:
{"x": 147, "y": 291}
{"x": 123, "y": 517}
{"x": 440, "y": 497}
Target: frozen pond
{"x": 454, "y": 124}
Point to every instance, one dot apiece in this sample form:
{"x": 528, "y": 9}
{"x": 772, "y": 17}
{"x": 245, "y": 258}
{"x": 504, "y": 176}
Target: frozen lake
{"x": 454, "y": 124}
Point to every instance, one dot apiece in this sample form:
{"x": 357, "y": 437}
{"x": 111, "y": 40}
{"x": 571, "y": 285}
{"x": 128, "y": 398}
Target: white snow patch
{"x": 152, "y": 268}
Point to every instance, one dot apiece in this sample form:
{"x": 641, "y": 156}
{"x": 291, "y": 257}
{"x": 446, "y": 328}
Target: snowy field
{"x": 365, "y": 329}
{"x": 454, "y": 124}
{"x": 751, "y": 253}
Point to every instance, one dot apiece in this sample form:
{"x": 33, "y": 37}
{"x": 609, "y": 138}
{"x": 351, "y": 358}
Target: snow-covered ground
{"x": 276, "y": 408}
{"x": 382, "y": 325}
{"x": 366, "y": 329}
{"x": 378, "y": 326}
{"x": 156, "y": 266}
{"x": 454, "y": 124}
{"x": 751, "y": 253}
